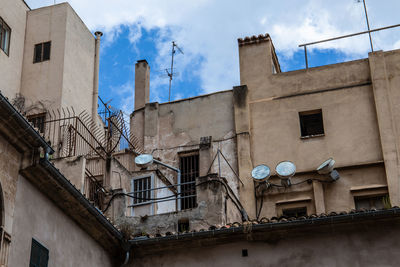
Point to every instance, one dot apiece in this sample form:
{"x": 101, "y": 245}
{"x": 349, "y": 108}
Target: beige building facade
{"x": 65, "y": 173}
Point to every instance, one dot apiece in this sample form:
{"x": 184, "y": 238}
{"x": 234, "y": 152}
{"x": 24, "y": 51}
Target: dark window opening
{"x": 311, "y": 123}
{"x": 42, "y": 52}
{"x": 39, "y": 255}
{"x": 183, "y": 225}
{"x": 141, "y": 190}
{"x": 189, "y": 165}
{"x": 38, "y": 120}
{"x": 296, "y": 212}
{"x": 372, "y": 202}
{"x": 5, "y": 36}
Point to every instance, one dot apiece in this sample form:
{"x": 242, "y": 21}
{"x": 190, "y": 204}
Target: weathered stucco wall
{"x": 67, "y": 78}
{"x": 37, "y": 217}
{"x": 370, "y": 246}
{"x": 42, "y": 82}
{"x": 359, "y": 119}
{"x": 78, "y": 72}
{"x": 9, "y": 165}
{"x": 14, "y": 14}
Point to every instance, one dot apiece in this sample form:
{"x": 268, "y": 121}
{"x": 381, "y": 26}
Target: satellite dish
{"x": 326, "y": 167}
{"x": 261, "y": 173}
{"x": 144, "y": 160}
{"x": 285, "y": 169}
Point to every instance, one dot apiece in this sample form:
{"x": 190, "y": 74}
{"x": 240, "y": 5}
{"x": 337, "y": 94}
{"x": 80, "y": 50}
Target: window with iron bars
{"x": 189, "y": 165}
{"x": 38, "y": 121}
{"x": 141, "y": 188}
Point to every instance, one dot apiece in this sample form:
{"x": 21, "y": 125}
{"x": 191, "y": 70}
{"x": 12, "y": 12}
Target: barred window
{"x": 189, "y": 165}
{"x": 141, "y": 190}
{"x": 38, "y": 120}
{"x": 5, "y": 34}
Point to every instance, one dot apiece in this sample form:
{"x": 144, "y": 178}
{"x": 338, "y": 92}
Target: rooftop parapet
{"x": 254, "y": 39}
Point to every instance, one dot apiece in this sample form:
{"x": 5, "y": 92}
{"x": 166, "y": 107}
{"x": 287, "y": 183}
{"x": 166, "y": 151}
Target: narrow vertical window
{"x": 39, "y": 255}
{"x": 5, "y": 34}
{"x": 46, "y": 51}
{"x": 189, "y": 165}
{"x": 42, "y": 52}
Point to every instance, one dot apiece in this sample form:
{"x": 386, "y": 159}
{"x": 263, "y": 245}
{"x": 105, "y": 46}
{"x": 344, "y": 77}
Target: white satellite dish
{"x": 326, "y": 167}
{"x": 285, "y": 169}
{"x": 261, "y": 173}
{"x": 144, "y": 160}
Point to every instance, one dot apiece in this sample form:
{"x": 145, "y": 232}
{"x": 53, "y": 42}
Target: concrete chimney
{"x": 142, "y": 83}
{"x": 96, "y": 75}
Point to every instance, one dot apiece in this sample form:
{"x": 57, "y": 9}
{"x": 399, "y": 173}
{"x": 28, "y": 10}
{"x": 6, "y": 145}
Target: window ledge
{"x": 294, "y": 200}
{"x": 311, "y": 136}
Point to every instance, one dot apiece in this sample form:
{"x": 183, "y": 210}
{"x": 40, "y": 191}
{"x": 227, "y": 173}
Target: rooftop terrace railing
{"x": 342, "y": 37}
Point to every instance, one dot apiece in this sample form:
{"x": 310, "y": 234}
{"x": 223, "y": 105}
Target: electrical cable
{"x": 234, "y": 199}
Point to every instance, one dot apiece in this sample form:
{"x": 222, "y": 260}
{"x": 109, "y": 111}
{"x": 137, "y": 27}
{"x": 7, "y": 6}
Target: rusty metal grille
{"x": 38, "y": 121}
{"x": 142, "y": 190}
{"x": 94, "y": 190}
{"x": 189, "y": 165}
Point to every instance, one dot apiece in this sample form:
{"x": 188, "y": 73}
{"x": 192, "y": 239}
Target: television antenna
{"x": 170, "y": 72}
{"x": 366, "y": 18}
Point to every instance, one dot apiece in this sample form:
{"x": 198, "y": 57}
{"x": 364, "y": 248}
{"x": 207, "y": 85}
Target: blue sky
{"x": 207, "y": 31}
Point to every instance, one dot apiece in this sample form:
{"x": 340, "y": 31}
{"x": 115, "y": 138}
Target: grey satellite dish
{"x": 144, "y": 160}
{"x": 261, "y": 173}
{"x": 326, "y": 167}
{"x": 285, "y": 169}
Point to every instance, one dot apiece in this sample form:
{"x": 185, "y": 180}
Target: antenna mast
{"x": 170, "y": 72}
{"x": 366, "y": 18}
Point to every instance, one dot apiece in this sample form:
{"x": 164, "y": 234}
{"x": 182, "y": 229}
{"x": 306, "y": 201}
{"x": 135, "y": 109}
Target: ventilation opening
{"x": 296, "y": 212}
{"x": 311, "y": 123}
{"x": 183, "y": 225}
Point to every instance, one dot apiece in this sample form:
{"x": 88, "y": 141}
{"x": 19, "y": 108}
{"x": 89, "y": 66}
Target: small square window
{"x": 311, "y": 123}
{"x": 39, "y": 255}
{"x": 183, "y": 225}
{"x": 38, "y": 120}
{"x": 295, "y": 212}
{"x": 42, "y": 52}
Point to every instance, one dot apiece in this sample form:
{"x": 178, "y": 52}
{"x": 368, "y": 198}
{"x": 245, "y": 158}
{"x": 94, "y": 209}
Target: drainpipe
{"x": 96, "y": 75}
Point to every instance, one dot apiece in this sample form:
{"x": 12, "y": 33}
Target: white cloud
{"x": 207, "y": 30}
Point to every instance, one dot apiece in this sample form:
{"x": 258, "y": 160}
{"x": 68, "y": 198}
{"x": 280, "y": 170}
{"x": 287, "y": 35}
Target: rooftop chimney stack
{"x": 142, "y": 83}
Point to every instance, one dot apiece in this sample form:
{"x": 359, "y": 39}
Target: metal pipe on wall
{"x": 96, "y": 75}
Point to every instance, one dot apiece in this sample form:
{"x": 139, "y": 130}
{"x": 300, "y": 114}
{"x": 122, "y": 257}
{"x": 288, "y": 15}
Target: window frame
{"x": 36, "y": 116}
{"x": 41, "y": 249}
{"x": 192, "y": 200}
{"x": 41, "y": 52}
{"x": 370, "y": 198}
{"x": 149, "y": 202}
{"x": 295, "y": 209}
{"x": 4, "y": 25}
{"x": 302, "y": 115}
